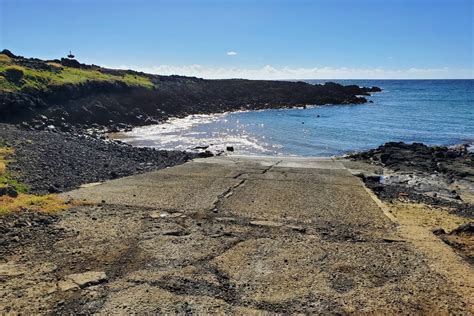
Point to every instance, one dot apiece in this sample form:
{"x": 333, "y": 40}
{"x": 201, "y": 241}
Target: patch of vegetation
{"x": 4, "y": 151}
{"x": 6, "y": 179}
{"x": 15, "y": 77}
{"x": 24, "y": 201}
{"x": 5, "y": 59}
{"x": 40, "y": 203}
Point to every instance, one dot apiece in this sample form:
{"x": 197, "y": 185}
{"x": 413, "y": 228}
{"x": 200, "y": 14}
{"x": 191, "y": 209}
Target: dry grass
{"x": 50, "y": 203}
{"x": 4, "y": 151}
{"x": 55, "y": 65}
{"x": 5, "y": 59}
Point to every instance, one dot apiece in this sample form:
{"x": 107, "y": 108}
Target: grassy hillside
{"x": 17, "y": 77}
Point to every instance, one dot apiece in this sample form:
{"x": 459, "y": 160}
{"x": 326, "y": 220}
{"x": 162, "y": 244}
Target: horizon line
{"x": 257, "y": 73}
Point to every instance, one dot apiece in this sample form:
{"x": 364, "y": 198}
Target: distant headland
{"x": 69, "y": 93}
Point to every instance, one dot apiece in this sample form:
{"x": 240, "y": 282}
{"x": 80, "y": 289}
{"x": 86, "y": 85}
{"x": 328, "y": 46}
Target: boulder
{"x": 13, "y": 75}
{"x": 467, "y": 229}
{"x": 73, "y": 63}
{"x": 8, "y": 190}
{"x": 384, "y": 157}
{"x": 54, "y": 189}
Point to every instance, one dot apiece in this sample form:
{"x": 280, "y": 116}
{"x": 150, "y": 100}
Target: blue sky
{"x": 273, "y": 39}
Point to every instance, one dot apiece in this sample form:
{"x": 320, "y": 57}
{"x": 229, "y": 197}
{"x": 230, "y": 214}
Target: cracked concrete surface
{"x": 233, "y": 235}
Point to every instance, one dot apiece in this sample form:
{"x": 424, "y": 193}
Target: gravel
{"x": 52, "y": 162}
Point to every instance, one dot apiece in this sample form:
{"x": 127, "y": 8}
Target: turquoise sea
{"x": 436, "y": 112}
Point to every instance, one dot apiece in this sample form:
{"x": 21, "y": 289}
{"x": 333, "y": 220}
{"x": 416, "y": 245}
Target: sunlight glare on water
{"x": 436, "y": 112}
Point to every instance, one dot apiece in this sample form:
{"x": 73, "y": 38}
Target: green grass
{"x": 34, "y": 79}
{"x": 6, "y": 178}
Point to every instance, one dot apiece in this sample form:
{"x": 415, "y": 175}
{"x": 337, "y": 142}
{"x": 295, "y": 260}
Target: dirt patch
{"x": 428, "y": 216}
{"x": 462, "y": 240}
{"x": 455, "y": 230}
{"x": 435, "y": 232}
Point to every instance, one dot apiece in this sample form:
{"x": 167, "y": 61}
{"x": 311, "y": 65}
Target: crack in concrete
{"x": 271, "y": 166}
{"x": 231, "y": 189}
{"x": 226, "y": 194}
{"x": 240, "y": 174}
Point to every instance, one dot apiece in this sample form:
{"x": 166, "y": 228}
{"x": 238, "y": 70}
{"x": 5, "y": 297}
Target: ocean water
{"x": 436, "y": 112}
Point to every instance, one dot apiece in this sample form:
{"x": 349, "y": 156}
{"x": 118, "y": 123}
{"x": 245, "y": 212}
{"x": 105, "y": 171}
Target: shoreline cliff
{"x": 69, "y": 93}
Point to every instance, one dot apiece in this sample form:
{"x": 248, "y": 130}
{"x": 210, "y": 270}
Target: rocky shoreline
{"x": 52, "y": 161}
{"x": 432, "y": 186}
{"x": 93, "y": 96}
{"x": 76, "y": 259}
{"x": 434, "y": 175}
{"x": 63, "y": 108}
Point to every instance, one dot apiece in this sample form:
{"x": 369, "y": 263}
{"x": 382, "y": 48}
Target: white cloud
{"x": 231, "y": 53}
{"x": 270, "y": 72}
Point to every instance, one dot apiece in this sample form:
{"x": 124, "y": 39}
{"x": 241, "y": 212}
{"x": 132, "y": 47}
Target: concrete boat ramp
{"x": 249, "y": 235}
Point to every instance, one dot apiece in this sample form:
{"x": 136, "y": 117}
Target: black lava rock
{"x": 8, "y": 53}
{"x": 52, "y": 162}
{"x": 8, "y": 190}
{"x": 13, "y": 75}
{"x": 54, "y": 189}
{"x": 455, "y": 162}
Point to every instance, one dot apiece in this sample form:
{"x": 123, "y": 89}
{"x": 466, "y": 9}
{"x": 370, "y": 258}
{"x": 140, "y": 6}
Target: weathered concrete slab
{"x": 266, "y": 161}
{"x": 159, "y": 191}
{"x": 218, "y": 169}
{"x": 309, "y": 202}
{"x": 241, "y": 160}
{"x": 240, "y": 235}
{"x": 328, "y": 176}
{"x": 310, "y": 164}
